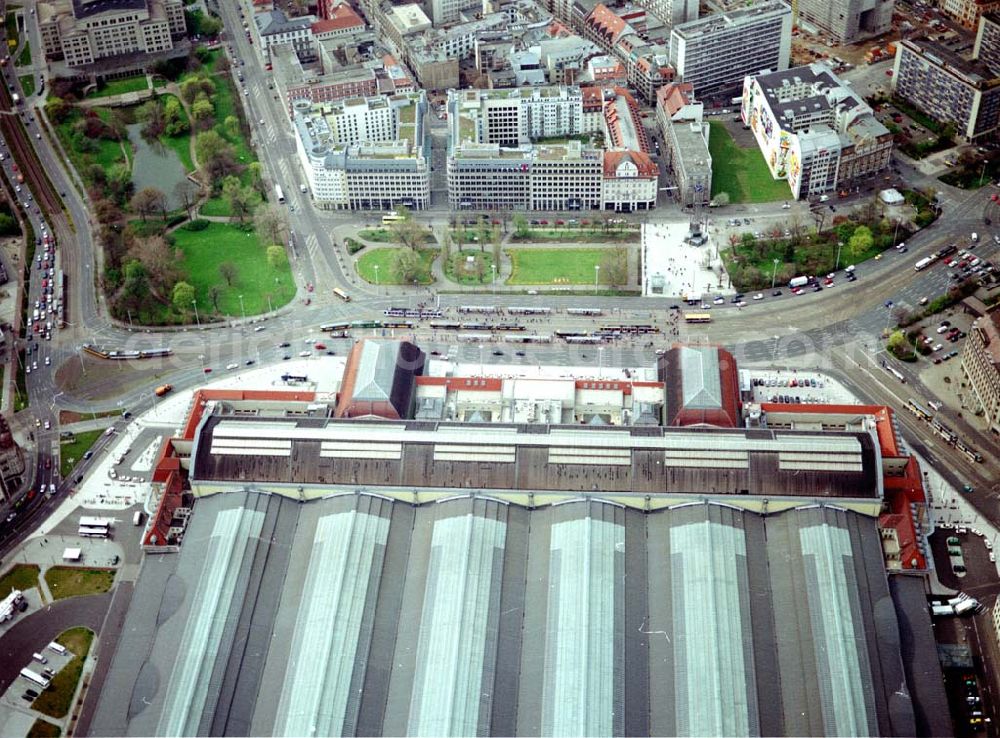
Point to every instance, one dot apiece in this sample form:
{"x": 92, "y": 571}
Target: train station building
{"x": 610, "y": 578}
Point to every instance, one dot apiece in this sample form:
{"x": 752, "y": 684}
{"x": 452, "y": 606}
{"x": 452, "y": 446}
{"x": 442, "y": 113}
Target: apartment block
{"x": 82, "y": 32}
{"x": 814, "y": 131}
{"x": 444, "y": 12}
{"x": 987, "y": 48}
{"x": 981, "y": 365}
{"x": 848, "y": 21}
{"x": 716, "y": 52}
{"x": 968, "y": 12}
{"x": 672, "y": 12}
{"x": 949, "y": 87}
{"x": 365, "y": 153}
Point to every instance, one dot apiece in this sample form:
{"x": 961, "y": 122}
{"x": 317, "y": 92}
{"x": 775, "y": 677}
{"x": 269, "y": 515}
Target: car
{"x": 828, "y": 282}
{"x": 320, "y": 347}
{"x": 38, "y": 423}
{"x": 305, "y": 353}
{"x": 435, "y": 352}
{"x": 47, "y": 425}
{"x": 759, "y": 296}
{"x": 937, "y": 347}
{"x": 519, "y": 353}
{"x": 776, "y": 293}
{"x": 284, "y": 344}
{"x": 331, "y": 352}
{"x": 968, "y": 488}
{"x": 286, "y": 357}
{"x": 737, "y": 297}
{"x": 797, "y": 291}
{"x": 232, "y": 366}
{"x": 719, "y": 300}
{"x": 741, "y": 304}
{"x": 48, "y": 361}
{"x": 818, "y": 288}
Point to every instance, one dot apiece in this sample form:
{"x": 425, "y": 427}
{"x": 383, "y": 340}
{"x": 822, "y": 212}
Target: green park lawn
{"x": 27, "y": 84}
{"x": 72, "y": 581}
{"x": 741, "y": 173}
{"x": 44, "y": 729}
{"x": 71, "y": 453}
{"x": 465, "y": 275}
{"x": 554, "y": 266}
{"x": 24, "y": 58}
{"x": 205, "y": 250}
{"x": 106, "y": 153}
{"x": 382, "y": 258}
{"x": 19, "y": 576}
{"x": 120, "y": 86}
{"x": 180, "y": 144}
{"x": 57, "y": 699}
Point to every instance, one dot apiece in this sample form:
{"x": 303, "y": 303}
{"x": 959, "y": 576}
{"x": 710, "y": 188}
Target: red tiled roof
{"x": 674, "y": 96}
{"x": 606, "y": 22}
{"x": 340, "y": 16}
{"x": 646, "y": 166}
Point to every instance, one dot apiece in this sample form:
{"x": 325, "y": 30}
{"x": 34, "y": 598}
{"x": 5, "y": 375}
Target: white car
{"x": 48, "y": 361}
{"x": 759, "y": 296}
{"x": 232, "y": 366}
{"x": 719, "y": 301}
{"x": 305, "y": 353}
{"x": 47, "y": 425}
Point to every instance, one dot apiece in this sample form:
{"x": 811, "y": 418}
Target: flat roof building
{"x": 948, "y": 86}
{"x": 981, "y": 365}
{"x": 716, "y": 52}
{"x": 847, "y": 21}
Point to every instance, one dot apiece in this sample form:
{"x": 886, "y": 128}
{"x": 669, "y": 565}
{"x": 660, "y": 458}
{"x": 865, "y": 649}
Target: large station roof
{"x": 355, "y": 615}
{"x": 536, "y": 458}
{"x": 702, "y": 386}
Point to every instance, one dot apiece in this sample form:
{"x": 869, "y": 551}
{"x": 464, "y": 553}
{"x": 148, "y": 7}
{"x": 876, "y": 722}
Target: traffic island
{"x": 72, "y": 581}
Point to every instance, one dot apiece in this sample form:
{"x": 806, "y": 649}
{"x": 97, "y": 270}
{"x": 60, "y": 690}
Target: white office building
{"x": 365, "y": 153}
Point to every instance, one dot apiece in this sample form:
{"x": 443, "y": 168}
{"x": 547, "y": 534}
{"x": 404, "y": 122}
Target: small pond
{"x": 157, "y": 166}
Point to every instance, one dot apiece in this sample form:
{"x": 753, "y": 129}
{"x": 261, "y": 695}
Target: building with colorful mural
{"x": 814, "y": 131}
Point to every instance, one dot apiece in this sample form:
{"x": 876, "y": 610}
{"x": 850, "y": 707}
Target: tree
{"x": 183, "y": 191}
{"x": 861, "y": 240}
{"x": 176, "y": 121}
{"x": 496, "y": 254}
{"x": 202, "y": 109}
{"x": 407, "y": 266}
{"x": 521, "y": 226}
{"x": 214, "y": 293}
{"x": 159, "y": 261}
{"x": 57, "y": 109}
{"x": 614, "y": 267}
{"x": 148, "y": 200}
{"x": 271, "y": 223}
{"x": 193, "y": 86}
{"x": 276, "y": 256}
{"x": 255, "y": 173}
{"x": 482, "y": 234}
{"x": 899, "y": 346}
{"x": 721, "y": 199}
{"x": 232, "y": 126}
{"x": 153, "y": 119}
{"x": 242, "y": 200}
{"x": 407, "y": 232}
{"x": 216, "y": 156}
{"x": 182, "y": 296}
{"x": 228, "y": 271}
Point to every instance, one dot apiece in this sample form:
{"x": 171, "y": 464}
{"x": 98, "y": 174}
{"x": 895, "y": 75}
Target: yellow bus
{"x": 697, "y": 318}
{"x": 391, "y": 217}
{"x": 341, "y": 294}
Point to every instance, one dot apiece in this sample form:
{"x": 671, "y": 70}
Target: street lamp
{"x": 597, "y": 271}
{"x": 243, "y": 309}
{"x": 493, "y": 268}
{"x": 376, "y": 278}
{"x": 482, "y": 361}
{"x": 888, "y": 315}
{"x": 840, "y": 245}
{"x": 774, "y": 272}
{"x": 196, "y": 316}
{"x": 600, "y": 362}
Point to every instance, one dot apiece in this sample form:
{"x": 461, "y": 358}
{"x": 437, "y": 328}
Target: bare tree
{"x": 214, "y": 293}
{"x": 159, "y": 260}
{"x": 614, "y": 267}
{"x": 148, "y": 200}
{"x": 271, "y": 223}
{"x": 228, "y": 271}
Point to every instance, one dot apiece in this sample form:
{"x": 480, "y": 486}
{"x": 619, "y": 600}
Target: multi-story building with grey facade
{"x": 981, "y": 366}
{"x": 968, "y": 12}
{"x": 522, "y": 149}
{"x": 365, "y": 153}
{"x": 685, "y": 133}
{"x": 716, "y": 52}
{"x": 987, "y": 48}
{"x": 274, "y": 28}
{"x": 848, "y": 20}
{"x": 82, "y": 32}
{"x": 814, "y": 131}
{"x": 949, "y": 87}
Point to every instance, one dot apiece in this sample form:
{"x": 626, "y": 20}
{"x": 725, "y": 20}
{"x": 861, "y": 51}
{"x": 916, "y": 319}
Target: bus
{"x": 37, "y": 679}
{"x": 392, "y": 217}
{"x": 341, "y": 294}
{"x": 584, "y": 311}
{"x": 279, "y": 193}
{"x": 86, "y": 532}
{"x": 529, "y": 310}
{"x": 923, "y": 263}
{"x": 917, "y": 409}
{"x": 697, "y": 318}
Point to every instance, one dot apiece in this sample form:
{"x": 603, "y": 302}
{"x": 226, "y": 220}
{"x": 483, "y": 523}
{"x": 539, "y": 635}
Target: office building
{"x": 847, "y": 21}
{"x": 85, "y": 32}
{"x": 672, "y": 12}
{"x": 604, "y": 576}
{"x": 981, "y": 366}
{"x": 365, "y": 153}
{"x": 948, "y": 86}
{"x": 12, "y": 462}
{"x": 685, "y": 135}
{"x": 274, "y": 27}
{"x": 521, "y": 149}
{"x": 987, "y": 47}
{"x": 444, "y": 12}
{"x": 814, "y": 131}
{"x": 716, "y": 52}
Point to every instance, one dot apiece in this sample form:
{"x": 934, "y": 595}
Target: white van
{"x": 824, "y": 198}
{"x": 975, "y": 237}
{"x": 39, "y": 658}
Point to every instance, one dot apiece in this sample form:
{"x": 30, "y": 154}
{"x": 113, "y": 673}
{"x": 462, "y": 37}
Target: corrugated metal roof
{"x": 458, "y": 623}
{"x": 188, "y": 688}
{"x": 714, "y": 641}
{"x": 583, "y": 651}
{"x": 347, "y": 547}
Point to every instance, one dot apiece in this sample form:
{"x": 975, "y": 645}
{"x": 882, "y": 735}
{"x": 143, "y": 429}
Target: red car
{"x": 207, "y": 370}
{"x": 320, "y": 347}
